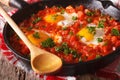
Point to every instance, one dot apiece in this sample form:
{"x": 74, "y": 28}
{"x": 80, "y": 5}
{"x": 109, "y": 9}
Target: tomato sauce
{"x": 74, "y": 33}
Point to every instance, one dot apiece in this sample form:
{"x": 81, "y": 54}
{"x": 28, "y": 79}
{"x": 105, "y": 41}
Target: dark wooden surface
{"x": 10, "y": 72}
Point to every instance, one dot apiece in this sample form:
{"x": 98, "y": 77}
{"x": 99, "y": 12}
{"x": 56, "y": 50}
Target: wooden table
{"x": 10, "y": 72}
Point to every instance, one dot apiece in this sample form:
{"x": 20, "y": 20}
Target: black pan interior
{"x": 67, "y": 69}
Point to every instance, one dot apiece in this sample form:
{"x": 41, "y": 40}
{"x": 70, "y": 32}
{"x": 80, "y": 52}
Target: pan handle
{"x": 15, "y": 3}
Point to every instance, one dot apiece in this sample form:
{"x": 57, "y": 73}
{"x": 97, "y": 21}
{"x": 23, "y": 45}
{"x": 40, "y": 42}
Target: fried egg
{"x": 64, "y": 20}
{"x": 91, "y": 35}
{"x": 37, "y": 37}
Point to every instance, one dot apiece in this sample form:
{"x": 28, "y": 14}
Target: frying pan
{"x": 24, "y": 12}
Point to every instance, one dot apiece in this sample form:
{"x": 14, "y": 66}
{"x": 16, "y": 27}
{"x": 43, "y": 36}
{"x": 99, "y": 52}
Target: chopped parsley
{"x": 101, "y": 24}
{"x": 49, "y": 43}
{"x": 62, "y": 11}
{"x": 70, "y": 33}
{"x": 91, "y": 29}
{"x": 66, "y": 50}
{"x": 90, "y": 13}
{"x": 98, "y": 56}
{"x": 89, "y": 20}
{"x": 36, "y": 20}
{"x": 74, "y": 53}
{"x": 115, "y": 32}
{"x": 36, "y": 35}
{"x": 54, "y": 16}
{"x": 59, "y": 7}
{"x": 74, "y": 17}
{"x": 58, "y": 48}
{"x": 99, "y": 39}
{"x": 64, "y": 28}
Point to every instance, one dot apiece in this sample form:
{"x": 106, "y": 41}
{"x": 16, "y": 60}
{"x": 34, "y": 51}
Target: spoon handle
{"x": 15, "y": 27}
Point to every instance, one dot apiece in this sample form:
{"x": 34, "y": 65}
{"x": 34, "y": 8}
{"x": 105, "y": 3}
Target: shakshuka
{"x": 73, "y": 33}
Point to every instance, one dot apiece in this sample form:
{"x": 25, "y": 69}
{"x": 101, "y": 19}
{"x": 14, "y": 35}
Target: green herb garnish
{"x": 63, "y": 48}
{"x": 48, "y": 43}
{"x": 62, "y": 11}
{"x": 54, "y": 16}
{"x": 59, "y": 48}
{"x": 115, "y": 32}
{"x": 66, "y": 50}
{"x": 74, "y": 17}
{"x": 74, "y": 53}
{"x": 91, "y": 29}
{"x": 36, "y": 35}
{"x": 71, "y": 33}
{"x": 89, "y": 20}
{"x": 90, "y": 13}
{"x": 59, "y": 7}
{"x": 99, "y": 39}
{"x": 98, "y": 56}
{"x": 64, "y": 28}
{"x": 36, "y": 20}
{"x": 101, "y": 24}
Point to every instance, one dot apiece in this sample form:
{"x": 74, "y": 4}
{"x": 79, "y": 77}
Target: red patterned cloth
{"x": 109, "y": 72}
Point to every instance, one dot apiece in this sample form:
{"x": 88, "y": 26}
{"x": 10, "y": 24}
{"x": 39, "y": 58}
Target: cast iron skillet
{"x": 67, "y": 69}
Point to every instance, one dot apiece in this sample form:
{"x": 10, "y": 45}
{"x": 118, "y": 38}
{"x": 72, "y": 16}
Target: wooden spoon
{"x": 42, "y": 62}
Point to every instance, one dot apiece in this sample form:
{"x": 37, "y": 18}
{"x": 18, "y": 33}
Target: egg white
{"x": 68, "y": 21}
{"x": 99, "y": 33}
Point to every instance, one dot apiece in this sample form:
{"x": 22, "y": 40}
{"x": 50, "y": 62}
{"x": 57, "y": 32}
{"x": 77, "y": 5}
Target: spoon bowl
{"x": 42, "y": 62}
{"x": 38, "y": 61}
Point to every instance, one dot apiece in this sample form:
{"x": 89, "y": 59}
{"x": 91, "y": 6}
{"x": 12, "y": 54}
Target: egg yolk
{"x": 53, "y": 18}
{"x": 84, "y": 32}
{"x": 35, "y": 40}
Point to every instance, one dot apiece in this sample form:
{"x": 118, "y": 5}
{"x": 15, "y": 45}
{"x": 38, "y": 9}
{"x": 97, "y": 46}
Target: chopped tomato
{"x": 81, "y": 15}
{"x": 70, "y": 9}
